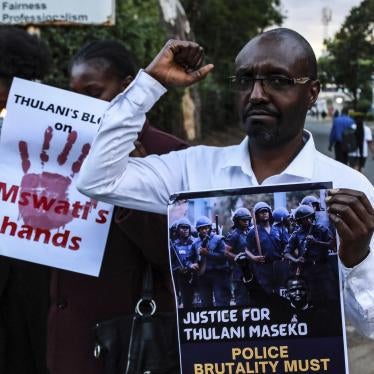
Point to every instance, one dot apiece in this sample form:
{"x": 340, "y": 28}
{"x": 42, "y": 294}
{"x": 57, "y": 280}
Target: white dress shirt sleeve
{"x": 109, "y": 174}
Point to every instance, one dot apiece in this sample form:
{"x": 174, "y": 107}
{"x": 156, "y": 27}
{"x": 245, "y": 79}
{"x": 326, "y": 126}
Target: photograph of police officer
{"x": 264, "y": 246}
{"x": 236, "y": 247}
{"x": 320, "y": 215}
{"x": 282, "y": 228}
{"x": 184, "y": 272}
{"x": 208, "y": 253}
{"x": 308, "y": 251}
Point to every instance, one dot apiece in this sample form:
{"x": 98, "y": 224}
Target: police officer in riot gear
{"x": 321, "y": 216}
{"x": 264, "y": 246}
{"x": 236, "y": 245}
{"x": 308, "y": 250}
{"x": 173, "y": 231}
{"x": 281, "y": 226}
{"x": 184, "y": 273}
{"x": 208, "y": 251}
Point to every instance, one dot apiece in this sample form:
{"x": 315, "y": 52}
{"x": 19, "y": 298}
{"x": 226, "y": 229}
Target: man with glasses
{"x": 276, "y": 75}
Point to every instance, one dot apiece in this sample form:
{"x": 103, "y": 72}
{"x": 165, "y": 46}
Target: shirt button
{"x": 62, "y": 304}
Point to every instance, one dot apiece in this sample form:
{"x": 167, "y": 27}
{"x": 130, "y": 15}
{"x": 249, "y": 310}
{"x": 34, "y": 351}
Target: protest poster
{"x": 256, "y": 278}
{"x": 45, "y": 138}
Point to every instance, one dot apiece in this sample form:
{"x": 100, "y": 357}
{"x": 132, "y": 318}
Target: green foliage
{"x": 363, "y": 105}
{"x": 223, "y": 28}
{"x": 138, "y": 27}
{"x": 350, "y": 60}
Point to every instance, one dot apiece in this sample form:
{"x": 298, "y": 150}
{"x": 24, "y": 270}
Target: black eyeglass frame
{"x": 290, "y": 81}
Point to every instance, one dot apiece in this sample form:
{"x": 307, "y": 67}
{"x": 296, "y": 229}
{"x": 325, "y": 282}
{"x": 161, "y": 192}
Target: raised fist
{"x": 179, "y": 64}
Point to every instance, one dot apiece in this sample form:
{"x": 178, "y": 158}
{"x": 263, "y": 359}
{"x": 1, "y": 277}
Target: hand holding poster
{"x": 45, "y": 138}
{"x": 269, "y": 298}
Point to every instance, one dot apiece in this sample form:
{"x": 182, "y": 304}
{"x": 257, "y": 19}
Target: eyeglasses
{"x": 183, "y": 227}
{"x": 270, "y": 84}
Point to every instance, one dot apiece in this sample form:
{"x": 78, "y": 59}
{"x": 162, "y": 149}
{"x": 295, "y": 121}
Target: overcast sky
{"x": 305, "y": 16}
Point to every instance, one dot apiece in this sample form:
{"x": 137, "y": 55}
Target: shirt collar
{"x": 302, "y": 165}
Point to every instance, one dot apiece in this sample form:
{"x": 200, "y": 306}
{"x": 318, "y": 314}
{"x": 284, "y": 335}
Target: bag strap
{"x": 146, "y": 306}
{"x": 147, "y": 290}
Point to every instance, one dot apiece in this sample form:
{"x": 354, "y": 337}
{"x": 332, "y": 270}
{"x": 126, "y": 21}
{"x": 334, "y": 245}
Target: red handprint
{"x": 46, "y": 194}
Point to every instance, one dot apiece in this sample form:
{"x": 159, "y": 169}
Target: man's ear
{"x": 126, "y": 81}
{"x": 315, "y": 87}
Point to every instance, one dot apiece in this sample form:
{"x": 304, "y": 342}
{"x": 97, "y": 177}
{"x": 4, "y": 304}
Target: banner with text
{"x": 256, "y": 277}
{"x": 55, "y": 12}
{"x": 46, "y": 136}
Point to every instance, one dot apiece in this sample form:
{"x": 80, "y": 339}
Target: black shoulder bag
{"x": 143, "y": 343}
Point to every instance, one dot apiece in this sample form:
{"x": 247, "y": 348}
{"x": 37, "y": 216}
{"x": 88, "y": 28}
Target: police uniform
{"x": 315, "y": 270}
{"x": 214, "y": 282}
{"x": 280, "y": 266}
{"x": 271, "y": 249}
{"x": 238, "y": 242}
{"x": 321, "y": 216}
{"x": 183, "y": 277}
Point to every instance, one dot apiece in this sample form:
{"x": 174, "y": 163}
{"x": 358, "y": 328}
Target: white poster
{"x": 55, "y": 12}
{"x": 45, "y": 138}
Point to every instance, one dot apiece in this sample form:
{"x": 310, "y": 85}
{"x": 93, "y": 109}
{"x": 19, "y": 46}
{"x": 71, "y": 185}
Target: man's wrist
{"x": 352, "y": 263}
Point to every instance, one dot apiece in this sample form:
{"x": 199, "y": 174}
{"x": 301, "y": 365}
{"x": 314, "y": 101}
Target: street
{"x": 321, "y": 131}
{"x": 360, "y": 350}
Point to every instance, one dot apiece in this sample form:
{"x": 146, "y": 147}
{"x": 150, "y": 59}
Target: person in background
{"x": 23, "y": 285}
{"x": 339, "y": 124}
{"x": 357, "y": 158}
{"x": 102, "y": 69}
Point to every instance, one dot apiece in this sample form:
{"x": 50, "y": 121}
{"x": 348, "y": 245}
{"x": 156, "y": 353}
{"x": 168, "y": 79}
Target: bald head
{"x": 283, "y": 67}
{"x": 286, "y": 42}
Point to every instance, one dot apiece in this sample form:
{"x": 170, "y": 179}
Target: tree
{"x": 350, "y": 60}
{"x": 138, "y": 27}
{"x": 222, "y": 28}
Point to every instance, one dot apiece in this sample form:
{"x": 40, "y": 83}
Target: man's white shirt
{"x": 110, "y": 175}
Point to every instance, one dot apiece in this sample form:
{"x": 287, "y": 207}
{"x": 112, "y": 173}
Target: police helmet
{"x": 310, "y": 200}
{"x": 184, "y": 221}
{"x": 203, "y": 221}
{"x": 261, "y": 206}
{"x": 304, "y": 211}
{"x": 280, "y": 214}
{"x": 173, "y": 225}
{"x": 241, "y": 213}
